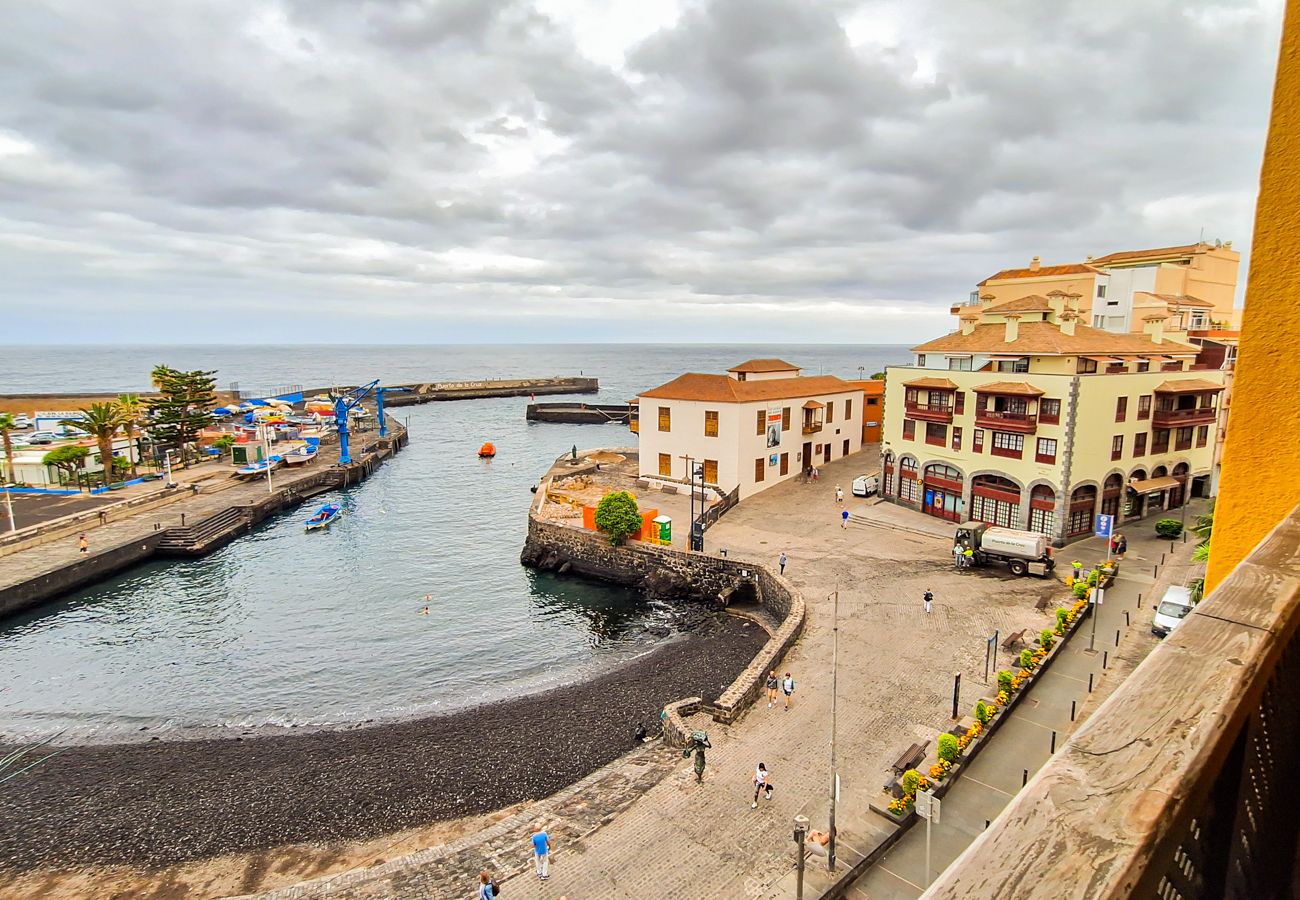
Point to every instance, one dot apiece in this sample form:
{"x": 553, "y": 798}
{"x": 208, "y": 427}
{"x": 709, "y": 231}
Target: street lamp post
{"x": 167, "y": 468}
{"x": 266, "y": 450}
{"x": 800, "y": 835}
{"x": 9, "y": 506}
{"x": 835, "y": 674}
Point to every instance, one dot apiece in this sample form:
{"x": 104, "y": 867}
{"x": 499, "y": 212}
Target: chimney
{"x": 1035, "y": 264}
{"x": 1154, "y": 327}
{"x": 1089, "y": 259}
{"x": 968, "y": 324}
{"x": 1013, "y": 328}
{"x": 1227, "y": 245}
{"x": 1067, "y": 320}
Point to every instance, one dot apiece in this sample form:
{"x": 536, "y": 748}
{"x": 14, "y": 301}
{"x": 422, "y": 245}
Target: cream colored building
{"x": 1027, "y": 418}
{"x": 757, "y": 425}
{"x": 1195, "y": 285}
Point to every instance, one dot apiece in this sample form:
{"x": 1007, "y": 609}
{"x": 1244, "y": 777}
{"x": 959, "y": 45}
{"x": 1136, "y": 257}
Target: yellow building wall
{"x": 1023, "y": 287}
{"x": 1261, "y": 457}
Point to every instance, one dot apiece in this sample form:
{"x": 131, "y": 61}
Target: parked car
{"x": 1171, "y": 610}
{"x": 866, "y": 485}
{"x": 42, "y": 437}
{"x": 22, "y": 421}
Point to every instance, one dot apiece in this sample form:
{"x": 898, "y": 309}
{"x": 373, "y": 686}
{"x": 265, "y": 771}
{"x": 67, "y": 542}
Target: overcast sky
{"x": 578, "y": 170}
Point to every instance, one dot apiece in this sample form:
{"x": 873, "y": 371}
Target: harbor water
{"x": 286, "y": 628}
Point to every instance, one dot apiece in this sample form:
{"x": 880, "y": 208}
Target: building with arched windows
{"x": 1026, "y": 418}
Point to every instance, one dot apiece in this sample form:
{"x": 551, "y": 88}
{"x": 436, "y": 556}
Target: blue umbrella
{"x": 222, "y": 411}
{"x": 257, "y": 403}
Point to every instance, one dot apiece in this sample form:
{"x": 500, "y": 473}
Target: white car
{"x": 1171, "y": 610}
{"x": 865, "y": 485}
{"x": 42, "y": 437}
{"x": 22, "y": 421}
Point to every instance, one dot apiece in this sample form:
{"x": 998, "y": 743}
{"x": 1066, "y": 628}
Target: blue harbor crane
{"x": 345, "y": 403}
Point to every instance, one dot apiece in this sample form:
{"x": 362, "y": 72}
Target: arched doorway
{"x": 1177, "y": 494}
{"x": 1112, "y": 492}
{"x": 995, "y": 500}
{"x": 908, "y": 492}
{"x": 1134, "y": 503}
{"x": 943, "y": 489}
{"x": 1042, "y": 510}
{"x": 1083, "y": 505}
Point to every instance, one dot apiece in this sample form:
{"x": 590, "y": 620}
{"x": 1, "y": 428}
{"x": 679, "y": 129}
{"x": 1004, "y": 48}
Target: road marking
{"x": 889, "y": 871}
{"x": 987, "y": 785}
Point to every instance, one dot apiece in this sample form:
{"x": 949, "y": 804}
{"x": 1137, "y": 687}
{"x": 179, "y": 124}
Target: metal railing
{"x": 1183, "y": 783}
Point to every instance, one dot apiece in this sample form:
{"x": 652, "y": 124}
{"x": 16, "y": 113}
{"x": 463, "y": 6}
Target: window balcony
{"x": 1178, "y": 418}
{"x": 812, "y": 426}
{"x": 929, "y": 412}
{"x": 1019, "y": 422}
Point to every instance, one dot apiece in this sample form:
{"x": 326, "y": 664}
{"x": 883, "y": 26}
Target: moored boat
{"x": 300, "y": 455}
{"x": 324, "y": 516}
{"x": 259, "y": 468}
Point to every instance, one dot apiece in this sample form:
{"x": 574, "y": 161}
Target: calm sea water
{"x": 286, "y": 628}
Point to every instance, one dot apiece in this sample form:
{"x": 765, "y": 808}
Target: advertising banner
{"x": 774, "y": 427}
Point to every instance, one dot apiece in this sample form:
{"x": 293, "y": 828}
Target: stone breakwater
{"x": 672, "y": 575}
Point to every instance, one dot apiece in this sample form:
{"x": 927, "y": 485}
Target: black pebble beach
{"x": 165, "y": 802}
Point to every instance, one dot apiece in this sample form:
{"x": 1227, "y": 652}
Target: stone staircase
{"x": 191, "y": 539}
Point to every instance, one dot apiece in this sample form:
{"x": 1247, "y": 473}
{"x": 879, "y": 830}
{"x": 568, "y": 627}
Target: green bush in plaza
{"x": 1169, "y": 528}
{"x": 949, "y": 750}
{"x": 618, "y": 516}
{"x": 1004, "y": 682}
{"x": 982, "y": 714}
{"x": 911, "y": 781}
{"x": 1026, "y": 659}
{"x": 1080, "y": 590}
{"x": 1062, "y": 620}
{"x": 1047, "y": 638}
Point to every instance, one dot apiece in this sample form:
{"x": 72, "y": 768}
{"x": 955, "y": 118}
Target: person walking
{"x": 772, "y": 684}
{"x": 782, "y": 560}
{"x": 542, "y": 852}
{"x": 928, "y": 598}
{"x": 487, "y": 888}
{"x": 816, "y": 474}
{"x": 787, "y": 688}
{"x": 1121, "y": 547}
{"x": 82, "y": 544}
{"x": 699, "y": 743}
{"x": 844, "y": 519}
{"x": 839, "y": 494}
{"x": 761, "y": 785}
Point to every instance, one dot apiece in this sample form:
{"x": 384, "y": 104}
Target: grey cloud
{"x": 750, "y": 152}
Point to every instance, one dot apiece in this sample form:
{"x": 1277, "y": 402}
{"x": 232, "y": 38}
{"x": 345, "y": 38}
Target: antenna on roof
{"x": 1201, "y": 239}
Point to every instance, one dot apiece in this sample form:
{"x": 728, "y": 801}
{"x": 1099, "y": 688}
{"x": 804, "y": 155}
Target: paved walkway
{"x": 682, "y": 840}
{"x": 1024, "y": 743}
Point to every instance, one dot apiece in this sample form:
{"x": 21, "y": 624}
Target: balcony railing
{"x": 928, "y": 412}
{"x": 1183, "y": 784}
{"x": 1002, "y": 420}
{"x": 1173, "y": 418}
{"x": 811, "y": 427}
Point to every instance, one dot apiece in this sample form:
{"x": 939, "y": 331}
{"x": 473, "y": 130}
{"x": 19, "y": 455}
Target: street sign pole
{"x": 927, "y": 807}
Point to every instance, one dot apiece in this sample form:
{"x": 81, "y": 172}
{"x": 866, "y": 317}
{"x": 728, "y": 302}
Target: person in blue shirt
{"x": 542, "y": 852}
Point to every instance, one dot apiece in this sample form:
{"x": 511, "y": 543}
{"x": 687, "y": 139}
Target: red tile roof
{"x": 1180, "y": 300}
{"x": 1188, "y": 386}
{"x": 932, "y": 384}
{"x": 1041, "y": 272}
{"x": 764, "y": 365}
{"x": 1046, "y": 339}
{"x": 1009, "y": 387}
{"x": 1032, "y": 303}
{"x": 1153, "y": 255}
{"x": 725, "y": 389}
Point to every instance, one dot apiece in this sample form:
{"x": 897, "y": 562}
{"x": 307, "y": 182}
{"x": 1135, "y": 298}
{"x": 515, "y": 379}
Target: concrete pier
{"x": 42, "y": 563}
{"x": 579, "y": 413}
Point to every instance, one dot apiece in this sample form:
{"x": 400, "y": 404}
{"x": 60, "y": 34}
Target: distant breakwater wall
{"x": 662, "y": 571}
{"x": 433, "y": 392}
{"x": 579, "y": 413}
{"x": 195, "y": 539}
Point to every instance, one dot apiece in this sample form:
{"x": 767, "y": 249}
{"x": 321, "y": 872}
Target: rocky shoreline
{"x": 167, "y": 802}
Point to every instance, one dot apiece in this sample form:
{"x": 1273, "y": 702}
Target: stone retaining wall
{"x": 101, "y": 564}
{"x": 579, "y": 551}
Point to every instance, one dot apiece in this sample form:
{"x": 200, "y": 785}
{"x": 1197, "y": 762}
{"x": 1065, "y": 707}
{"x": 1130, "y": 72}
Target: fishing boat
{"x": 258, "y": 468}
{"x": 324, "y": 516}
{"x": 300, "y": 455}
{"x": 487, "y": 451}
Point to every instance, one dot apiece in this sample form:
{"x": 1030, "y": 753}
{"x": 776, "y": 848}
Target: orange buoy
{"x": 487, "y": 451}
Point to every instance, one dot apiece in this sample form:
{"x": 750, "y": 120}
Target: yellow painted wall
{"x": 1024, "y": 287}
{"x": 1262, "y": 454}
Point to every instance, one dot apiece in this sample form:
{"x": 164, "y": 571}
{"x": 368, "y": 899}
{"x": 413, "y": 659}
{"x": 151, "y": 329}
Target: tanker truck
{"x": 1022, "y": 551}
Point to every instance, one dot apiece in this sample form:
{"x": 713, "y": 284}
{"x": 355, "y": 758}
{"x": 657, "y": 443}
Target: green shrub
{"x": 1047, "y": 638}
{"x": 1026, "y": 659}
{"x": 1062, "y": 620}
{"x": 1092, "y": 578}
{"x": 618, "y": 516}
{"x": 911, "y": 781}
{"x": 1169, "y": 528}
{"x": 982, "y": 714}
{"x": 1004, "y": 681}
{"x": 1080, "y": 590}
{"x": 1198, "y": 589}
{"x": 949, "y": 751}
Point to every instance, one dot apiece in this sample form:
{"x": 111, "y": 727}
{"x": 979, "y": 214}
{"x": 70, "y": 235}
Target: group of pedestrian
{"x": 813, "y": 473}
{"x": 488, "y": 889}
{"x": 1118, "y": 545}
{"x": 963, "y": 555}
{"x": 786, "y": 686}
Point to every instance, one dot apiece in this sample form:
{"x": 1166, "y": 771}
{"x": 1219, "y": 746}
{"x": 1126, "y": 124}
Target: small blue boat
{"x": 324, "y": 516}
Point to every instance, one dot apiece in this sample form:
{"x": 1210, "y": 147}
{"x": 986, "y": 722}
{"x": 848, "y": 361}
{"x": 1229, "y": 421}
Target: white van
{"x": 866, "y": 485}
{"x": 1172, "y": 609}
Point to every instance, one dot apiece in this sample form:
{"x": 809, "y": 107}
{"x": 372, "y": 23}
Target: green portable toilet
{"x": 243, "y": 454}
{"x": 665, "y": 528}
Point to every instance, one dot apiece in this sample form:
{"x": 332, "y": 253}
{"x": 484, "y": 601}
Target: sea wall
{"x": 672, "y": 573}
{"x": 41, "y": 588}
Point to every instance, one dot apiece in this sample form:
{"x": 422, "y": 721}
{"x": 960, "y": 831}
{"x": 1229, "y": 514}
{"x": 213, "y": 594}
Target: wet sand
{"x": 168, "y": 802}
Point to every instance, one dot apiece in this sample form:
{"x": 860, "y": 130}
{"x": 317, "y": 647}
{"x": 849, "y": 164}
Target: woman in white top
{"x": 761, "y": 784}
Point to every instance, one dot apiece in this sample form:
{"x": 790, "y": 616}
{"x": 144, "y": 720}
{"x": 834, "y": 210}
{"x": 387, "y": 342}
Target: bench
{"x": 910, "y": 757}
{"x": 1014, "y": 638}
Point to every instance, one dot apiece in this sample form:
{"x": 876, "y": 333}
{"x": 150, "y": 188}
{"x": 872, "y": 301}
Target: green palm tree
{"x": 1204, "y": 526}
{"x": 1202, "y": 552}
{"x": 131, "y": 411}
{"x": 101, "y": 421}
{"x": 7, "y": 424}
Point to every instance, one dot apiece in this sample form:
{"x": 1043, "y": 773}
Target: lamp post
{"x": 861, "y": 369}
{"x": 835, "y": 674}
{"x": 800, "y": 835}
{"x": 9, "y": 506}
{"x": 167, "y": 468}
{"x": 266, "y": 449}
